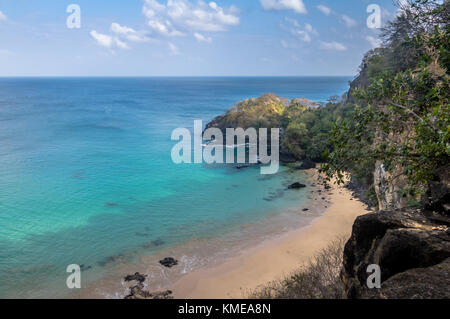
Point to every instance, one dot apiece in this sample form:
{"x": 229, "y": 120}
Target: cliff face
{"x": 389, "y": 193}
{"x": 412, "y": 248}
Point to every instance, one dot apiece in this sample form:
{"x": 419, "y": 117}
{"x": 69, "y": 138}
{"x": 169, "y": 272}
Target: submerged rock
{"x": 111, "y": 204}
{"x": 84, "y": 267}
{"x": 296, "y": 186}
{"x": 169, "y": 262}
{"x": 139, "y": 292}
{"x": 137, "y": 277}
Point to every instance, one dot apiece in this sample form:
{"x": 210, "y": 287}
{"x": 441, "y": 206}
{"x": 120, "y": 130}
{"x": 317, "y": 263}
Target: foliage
{"x": 307, "y": 129}
{"x": 403, "y": 115}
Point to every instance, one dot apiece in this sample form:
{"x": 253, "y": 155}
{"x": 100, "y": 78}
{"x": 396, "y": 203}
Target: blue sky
{"x": 186, "y": 37}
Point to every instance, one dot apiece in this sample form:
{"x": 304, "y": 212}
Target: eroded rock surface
{"x": 404, "y": 243}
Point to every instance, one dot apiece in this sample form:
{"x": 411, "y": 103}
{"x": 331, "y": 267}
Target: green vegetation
{"x": 396, "y": 113}
{"x": 402, "y": 115}
{"x": 307, "y": 129}
{"x": 306, "y": 125}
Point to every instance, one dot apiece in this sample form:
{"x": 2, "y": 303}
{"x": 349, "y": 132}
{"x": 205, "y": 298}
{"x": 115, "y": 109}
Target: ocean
{"x": 86, "y": 177}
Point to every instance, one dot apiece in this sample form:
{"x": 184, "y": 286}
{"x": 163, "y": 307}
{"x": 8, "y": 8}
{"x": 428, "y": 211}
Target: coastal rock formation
{"x": 138, "y": 292}
{"x": 419, "y": 283}
{"x": 266, "y": 111}
{"x": 296, "y": 186}
{"x": 411, "y": 247}
{"x": 137, "y": 277}
{"x": 169, "y": 262}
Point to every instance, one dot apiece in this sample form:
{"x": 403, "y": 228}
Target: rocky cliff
{"x": 412, "y": 248}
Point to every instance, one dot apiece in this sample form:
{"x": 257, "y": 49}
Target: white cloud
{"x": 127, "y": 33}
{"x": 202, "y": 38}
{"x": 3, "y": 16}
{"x": 332, "y": 46}
{"x": 173, "y": 49}
{"x": 349, "y": 22}
{"x": 179, "y": 17}
{"x": 108, "y": 41}
{"x": 374, "y": 42}
{"x": 324, "y": 9}
{"x": 295, "y": 5}
{"x": 119, "y": 37}
{"x": 303, "y": 34}
{"x": 120, "y": 44}
{"x": 117, "y": 28}
{"x": 102, "y": 39}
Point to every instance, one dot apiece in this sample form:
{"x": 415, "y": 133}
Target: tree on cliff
{"x": 402, "y": 118}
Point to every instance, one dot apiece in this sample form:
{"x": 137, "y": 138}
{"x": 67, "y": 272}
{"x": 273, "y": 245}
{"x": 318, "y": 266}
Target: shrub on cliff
{"x": 319, "y": 279}
{"x": 402, "y": 119}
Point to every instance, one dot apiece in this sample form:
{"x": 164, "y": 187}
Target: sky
{"x": 187, "y": 37}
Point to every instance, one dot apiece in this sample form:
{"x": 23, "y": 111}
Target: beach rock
{"x": 137, "y": 277}
{"x": 305, "y": 209}
{"x": 296, "y": 186}
{"x": 307, "y": 164}
{"x": 139, "y": 292}
{"x": 398, "y": 241}
{"x": 169, "y": 262}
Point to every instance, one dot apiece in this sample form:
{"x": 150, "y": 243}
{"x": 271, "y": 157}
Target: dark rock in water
{"x": 137, "y": 277}
{"x": 307, "y": 164}
{"x": 111, "y": 260}
{"x": 274, "y": 195}
{"x": 139, "y": 292}
{"x": 296, "y": 186}
{"x": 400, "y": 242}
{"x": 158, "y": 242}
{"x": 162, "y": 295}
{"x": 83, "y": 267}
{"x": 154, "y": 243}
{"x": 242, "y": 166}
{"x": 305, "y": 209}
{"x": 143, "y": 234}
{"x": 169, "y": 262}
{"x": 111, "y": 204}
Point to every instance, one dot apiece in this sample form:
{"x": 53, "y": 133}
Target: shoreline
{"x": 276, "y": 258}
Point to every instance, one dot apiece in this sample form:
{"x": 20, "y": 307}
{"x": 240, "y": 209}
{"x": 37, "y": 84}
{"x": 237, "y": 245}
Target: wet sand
{"x": 277, "y": 258}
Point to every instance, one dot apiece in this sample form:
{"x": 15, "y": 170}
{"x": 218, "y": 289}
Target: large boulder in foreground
{"x": 410, "y": 246}
{"x": 419, "y": 283}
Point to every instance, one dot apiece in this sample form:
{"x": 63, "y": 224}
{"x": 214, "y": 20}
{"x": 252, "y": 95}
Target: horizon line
{"x": 169, "y": 76}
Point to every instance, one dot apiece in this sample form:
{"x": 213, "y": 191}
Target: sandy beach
{"x": 275, "y": 259}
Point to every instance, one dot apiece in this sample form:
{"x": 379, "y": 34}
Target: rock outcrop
{"x": 412, "y": 248}
{"x": 169, "y": 262}
{"x": 139, "y": 291}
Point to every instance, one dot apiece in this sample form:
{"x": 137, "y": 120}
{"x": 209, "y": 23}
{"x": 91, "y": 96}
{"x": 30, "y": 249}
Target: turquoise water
{"x": 86, "y": 175}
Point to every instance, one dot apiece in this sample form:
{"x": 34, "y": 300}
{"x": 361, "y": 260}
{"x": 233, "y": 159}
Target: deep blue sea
{"x": 86, "y": 175}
